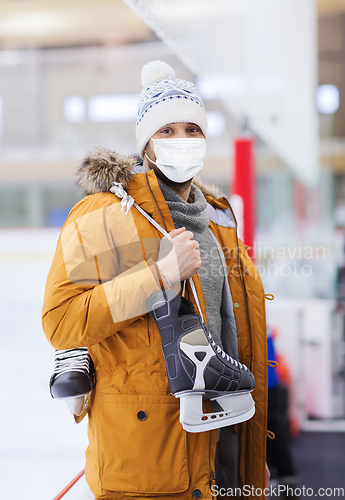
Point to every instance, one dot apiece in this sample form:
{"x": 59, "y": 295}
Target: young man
{"x": 110, "y": 259}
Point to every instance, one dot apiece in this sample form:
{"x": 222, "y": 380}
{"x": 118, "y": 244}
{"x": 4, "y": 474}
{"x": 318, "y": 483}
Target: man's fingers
{"x": 175, "y": 232}
{"x": 190, "y": 235}
{"x": 186, "y": 235}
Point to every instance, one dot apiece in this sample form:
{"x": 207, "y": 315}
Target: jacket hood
{"x": 101, "y": 167}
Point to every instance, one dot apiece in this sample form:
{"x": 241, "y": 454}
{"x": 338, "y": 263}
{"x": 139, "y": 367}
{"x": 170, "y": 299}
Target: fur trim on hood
{"x": 207, "y": 189}
{"x": 101, "y": 167}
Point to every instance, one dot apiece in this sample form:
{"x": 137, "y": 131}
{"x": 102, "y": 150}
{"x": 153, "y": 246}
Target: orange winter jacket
{"x": 102, "y": 273}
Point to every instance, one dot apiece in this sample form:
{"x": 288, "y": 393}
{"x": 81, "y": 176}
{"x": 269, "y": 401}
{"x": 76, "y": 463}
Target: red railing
{"x": 70, "y": 485}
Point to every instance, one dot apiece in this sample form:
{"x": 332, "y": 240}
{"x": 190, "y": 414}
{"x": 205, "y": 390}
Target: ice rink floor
{"x": 41, "y": 447}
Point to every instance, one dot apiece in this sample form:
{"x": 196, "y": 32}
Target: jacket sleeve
{"x": 90, "y": 293}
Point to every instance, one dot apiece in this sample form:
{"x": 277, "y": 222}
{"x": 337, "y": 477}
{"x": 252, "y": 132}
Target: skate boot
{"x": 73, "y": 378}
{"x": 198, "y": 369}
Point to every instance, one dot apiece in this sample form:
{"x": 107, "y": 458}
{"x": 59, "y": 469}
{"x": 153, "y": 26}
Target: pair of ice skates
{"x": 197, "y": 369}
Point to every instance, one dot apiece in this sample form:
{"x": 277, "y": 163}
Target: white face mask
{"x": 179, "y": 159}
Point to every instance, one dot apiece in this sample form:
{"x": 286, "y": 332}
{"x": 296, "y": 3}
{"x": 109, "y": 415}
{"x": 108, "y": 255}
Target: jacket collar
{"x": 101, "y": 167}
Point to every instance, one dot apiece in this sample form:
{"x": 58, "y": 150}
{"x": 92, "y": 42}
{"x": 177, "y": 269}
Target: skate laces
{"x": 68, "y": 360}
{"x": 225, "y": 355}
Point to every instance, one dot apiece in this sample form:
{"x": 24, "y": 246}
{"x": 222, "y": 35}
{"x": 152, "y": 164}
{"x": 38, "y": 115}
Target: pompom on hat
{"x": 166, "y": 99}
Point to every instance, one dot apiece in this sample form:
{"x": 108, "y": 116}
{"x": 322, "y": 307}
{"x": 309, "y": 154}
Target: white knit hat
{"x": 165, "y": 99}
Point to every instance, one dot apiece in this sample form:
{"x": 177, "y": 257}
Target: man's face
{"x": 178, "y": 130}
{"x": 173, "y": 131}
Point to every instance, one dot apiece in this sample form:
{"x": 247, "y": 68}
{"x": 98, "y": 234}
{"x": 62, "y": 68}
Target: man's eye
{"x": 165, "y": 131}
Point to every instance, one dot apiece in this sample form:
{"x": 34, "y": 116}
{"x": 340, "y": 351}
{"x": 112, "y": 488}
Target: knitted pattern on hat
{"x": 166, "y": 99}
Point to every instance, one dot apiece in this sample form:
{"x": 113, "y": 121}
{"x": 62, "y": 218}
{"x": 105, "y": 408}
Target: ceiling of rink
{"x": 26, "y": 24}
{"x": 47, "y": 23}
{"x": 328, "y": 7}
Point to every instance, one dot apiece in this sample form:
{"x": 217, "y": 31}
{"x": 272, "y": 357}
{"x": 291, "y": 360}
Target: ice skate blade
{"x": 237, "y": 408}
{"x": 77, "y": 404}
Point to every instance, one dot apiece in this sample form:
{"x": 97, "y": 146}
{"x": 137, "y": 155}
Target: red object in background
{"x": 285, "y": 378}
{"x": 244, "y": 186}
{"x": 70, "y": 485}
{"x": 299, "y": 199}
{"x": 299, "y": 203}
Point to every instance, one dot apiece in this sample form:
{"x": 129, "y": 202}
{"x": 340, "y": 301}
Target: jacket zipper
{"x": 246, "y": 306}
{"x": 244, "y": 294}
{"x": 212, "y": 471}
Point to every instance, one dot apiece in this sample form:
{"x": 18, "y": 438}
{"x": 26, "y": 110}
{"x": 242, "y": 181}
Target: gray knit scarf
{"x": 192, "y": 215}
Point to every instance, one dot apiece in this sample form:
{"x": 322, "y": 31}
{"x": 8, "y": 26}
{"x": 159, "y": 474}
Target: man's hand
{"x": 183, "y": 260}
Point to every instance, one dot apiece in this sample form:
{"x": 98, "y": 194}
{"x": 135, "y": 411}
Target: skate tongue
{"x": 195, "y": 338}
